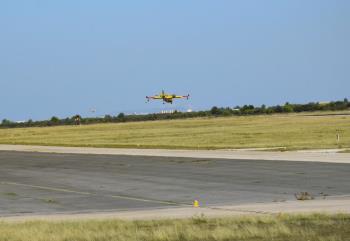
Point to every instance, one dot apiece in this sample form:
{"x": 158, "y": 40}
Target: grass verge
{"x": 312, "y": 227}
{"x": 289, "y": 131}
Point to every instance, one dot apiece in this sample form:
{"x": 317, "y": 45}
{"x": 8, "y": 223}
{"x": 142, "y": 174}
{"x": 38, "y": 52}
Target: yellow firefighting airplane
{"x": 168, "y": 98}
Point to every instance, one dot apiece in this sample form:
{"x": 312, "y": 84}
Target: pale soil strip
{"x": 331, "y": 205}
{"x": 319, "y": 206}
{"x": 330, "y": 156}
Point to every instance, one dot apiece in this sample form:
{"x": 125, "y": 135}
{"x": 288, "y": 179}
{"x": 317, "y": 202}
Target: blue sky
{"x": 66, "y": 57}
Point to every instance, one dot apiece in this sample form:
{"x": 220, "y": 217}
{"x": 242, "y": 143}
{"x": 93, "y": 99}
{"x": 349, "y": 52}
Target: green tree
{"x": 6, "y": 122}
{"x": 215, "y": 111}
{"x": 121, "y": 115}
{"x": 288, "y": 108}
{"x": 30, "y": 122}
{"x": 108, "y": 118}
{"x": 54, "y": 120}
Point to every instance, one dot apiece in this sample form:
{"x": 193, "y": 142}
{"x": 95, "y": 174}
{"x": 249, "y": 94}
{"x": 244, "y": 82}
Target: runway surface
{"x": 42, "y": 183}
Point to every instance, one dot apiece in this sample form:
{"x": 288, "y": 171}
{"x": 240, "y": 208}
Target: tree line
{"x": 213, "y": 112}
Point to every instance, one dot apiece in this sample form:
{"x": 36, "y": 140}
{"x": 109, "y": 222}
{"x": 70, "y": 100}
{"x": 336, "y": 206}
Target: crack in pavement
{"x": 95, "y": 194}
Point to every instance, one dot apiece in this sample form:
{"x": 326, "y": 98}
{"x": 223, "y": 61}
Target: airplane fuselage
{"x": 168, "y": 100}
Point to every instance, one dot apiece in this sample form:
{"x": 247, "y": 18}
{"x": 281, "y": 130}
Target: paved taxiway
{"x": 43, "y": 183}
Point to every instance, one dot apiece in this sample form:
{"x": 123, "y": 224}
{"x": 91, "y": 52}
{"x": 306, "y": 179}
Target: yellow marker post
{"x": 196, "y": 204}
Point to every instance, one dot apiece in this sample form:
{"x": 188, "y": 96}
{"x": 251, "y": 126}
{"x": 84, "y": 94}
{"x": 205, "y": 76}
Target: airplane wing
{"x": 156, "y": 97}
{"x": 181, "y": 96}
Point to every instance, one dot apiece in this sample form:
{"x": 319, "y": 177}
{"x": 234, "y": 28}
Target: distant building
{"x": 167, "y": 111}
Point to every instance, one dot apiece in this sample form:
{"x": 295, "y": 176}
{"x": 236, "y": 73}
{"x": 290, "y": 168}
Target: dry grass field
{"x": 289, "y": 131}
{"x": 315, "y": 227}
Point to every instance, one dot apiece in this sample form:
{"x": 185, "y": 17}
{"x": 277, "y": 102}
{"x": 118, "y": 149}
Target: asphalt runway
{"x": 42, "y": 183}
